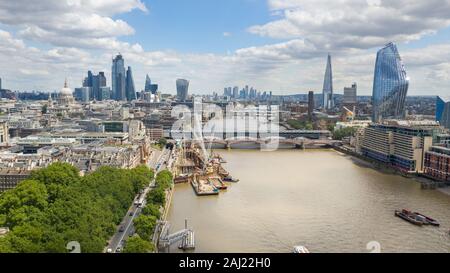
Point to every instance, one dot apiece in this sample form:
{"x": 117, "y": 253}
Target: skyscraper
{"x": 149, "y": 87}
{"x": 182, "y": 89}
{"x": 350, "y": 95}
{"x": 130, "y": 90}
{"x": 98, "y": 81}
{"x": 95, "y": 82}
{"x": 118, "y": 78}
{"x": 328, "y": 102}
{"x": 311, "y": 104}
{"x": 148, "y": 84}
{"x": 236, "y": 92}
{"x": 390, "y": 84}
{"x": 443, "y": 112}
{"x": 88, "y": 81}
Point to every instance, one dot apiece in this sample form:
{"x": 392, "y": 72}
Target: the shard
{"x": 328, "y": 102}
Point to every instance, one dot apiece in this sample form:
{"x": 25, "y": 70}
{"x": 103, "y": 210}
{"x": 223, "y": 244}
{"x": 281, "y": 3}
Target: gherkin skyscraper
{"x": 328, "y": 102}
{"x": 390, "y": 85}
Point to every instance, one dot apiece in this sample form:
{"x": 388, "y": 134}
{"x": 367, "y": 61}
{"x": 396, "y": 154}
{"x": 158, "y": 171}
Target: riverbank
{"x": 426, "y": 183}
{"x": 445, "y": 190}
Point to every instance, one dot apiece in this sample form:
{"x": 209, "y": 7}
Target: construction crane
{"x": 350, "y": 114}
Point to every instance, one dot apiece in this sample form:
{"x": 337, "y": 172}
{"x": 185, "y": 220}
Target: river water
{"x": 321, "y": 199}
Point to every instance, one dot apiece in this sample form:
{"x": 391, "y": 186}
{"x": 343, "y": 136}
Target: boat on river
{"x": 230, "y": 179}
{"x": 409, "y": 217}
{"x": 301, "y": 250}
{"x": 427, "y": 220}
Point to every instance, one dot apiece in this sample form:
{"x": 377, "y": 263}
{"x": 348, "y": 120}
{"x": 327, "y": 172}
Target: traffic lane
{"x": 127, "y": 222}
{"x": 122, "y": 229}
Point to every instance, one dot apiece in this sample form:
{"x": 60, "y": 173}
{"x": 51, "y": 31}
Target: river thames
{"x": 321, "y": 199}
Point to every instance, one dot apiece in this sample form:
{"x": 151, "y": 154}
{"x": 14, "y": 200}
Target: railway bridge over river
{"x": 263, "y": 143}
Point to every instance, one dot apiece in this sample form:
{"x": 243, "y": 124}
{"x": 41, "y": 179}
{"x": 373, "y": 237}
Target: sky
{"x": 273, "y": 45}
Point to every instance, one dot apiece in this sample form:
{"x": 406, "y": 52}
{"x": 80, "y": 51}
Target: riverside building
{"x": 400, "y": 143}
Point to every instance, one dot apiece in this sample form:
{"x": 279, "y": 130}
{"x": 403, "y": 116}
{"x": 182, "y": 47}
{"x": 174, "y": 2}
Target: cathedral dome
{"x": 66, "y": 90}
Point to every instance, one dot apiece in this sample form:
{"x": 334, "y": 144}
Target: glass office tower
{"x": 118, "y": 79}
{"x": 390, "y": 85}
{"x": 443, "y": 112}
{"x": 182, "y": 90}
{"x": 328, "y": 101}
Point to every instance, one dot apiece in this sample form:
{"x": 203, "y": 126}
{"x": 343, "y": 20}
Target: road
{"x": 157, "y": 162}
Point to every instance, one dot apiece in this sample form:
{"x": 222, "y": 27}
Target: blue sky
{"x": 192, "y": 27}
{"x": 273, "y": 45}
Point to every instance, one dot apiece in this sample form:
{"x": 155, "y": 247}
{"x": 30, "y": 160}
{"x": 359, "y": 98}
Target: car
{"x": 122, "y": 229}
{"x": 131, "y": 213}
{"x": 109, "y": 250}
{"x": 119, "y": 250}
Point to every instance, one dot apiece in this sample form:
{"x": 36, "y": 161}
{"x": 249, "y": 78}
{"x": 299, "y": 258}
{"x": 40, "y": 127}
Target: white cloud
{"x": 360, "y": 24}
{"x": 78, "y": 23}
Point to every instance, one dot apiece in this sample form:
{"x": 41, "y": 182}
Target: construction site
{"x": 202, "y": 170}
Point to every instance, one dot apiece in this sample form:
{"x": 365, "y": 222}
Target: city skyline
{"x": 278, "y": 45}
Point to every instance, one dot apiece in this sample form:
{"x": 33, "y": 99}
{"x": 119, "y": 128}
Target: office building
{"x": 235, "y": 92}
{"x": 327, "y": 95}
{"x": 350, "y": 95}
{"x": 443, "y": 112}
{"x": 83, "y": 94}
{"x": 311, "y": 104}
{"x": 129, "y": 87}
{"x": 105, "y": 93}
{"x": 399, "y": 143}
{"x": 437, "y": 163}
{"x": 118, "y": 76}
{"x": 4, "y": 132}
{"x": 390, "y": 85}
{"x": 182, "y": 90}
{"x": 95, "y": 83}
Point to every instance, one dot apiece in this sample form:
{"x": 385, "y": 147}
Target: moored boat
{"x": 301, "y": 250}
{"x": 230, "y": 179}
{"x": 428, "y": 220}
{"x": 409, "y": 217}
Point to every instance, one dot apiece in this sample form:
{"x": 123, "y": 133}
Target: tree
{"x": 153, "y": 210}
{"x": 44, "y": 109}
{"x": 136, "y": 244}
{"x": 300, "y": 125}
{"x": 145, "y": 226}
{"x": 157, "y": 196}
{"x": 344, "y": 132}
{"x": 141, "y": 176}
{"x": 162, "y": 142}
{"x": 56, "y": 206}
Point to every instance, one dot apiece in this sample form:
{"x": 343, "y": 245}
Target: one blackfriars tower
{"x": 390, "y": 85}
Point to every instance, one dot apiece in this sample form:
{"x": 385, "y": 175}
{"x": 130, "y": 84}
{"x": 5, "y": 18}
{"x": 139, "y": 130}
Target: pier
{"x": 206, "y": 175}
{"x": 185, "y": 237}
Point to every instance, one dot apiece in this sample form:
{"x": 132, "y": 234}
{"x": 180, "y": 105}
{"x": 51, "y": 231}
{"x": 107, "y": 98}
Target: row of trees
{"x": 344, "y": 133}
{"x": 300, "y": 125}
{"x": 56, "y": 206}
{"x": 146, "y": 222}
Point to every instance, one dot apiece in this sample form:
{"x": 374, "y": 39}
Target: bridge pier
{"x": 300, "y": 146}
